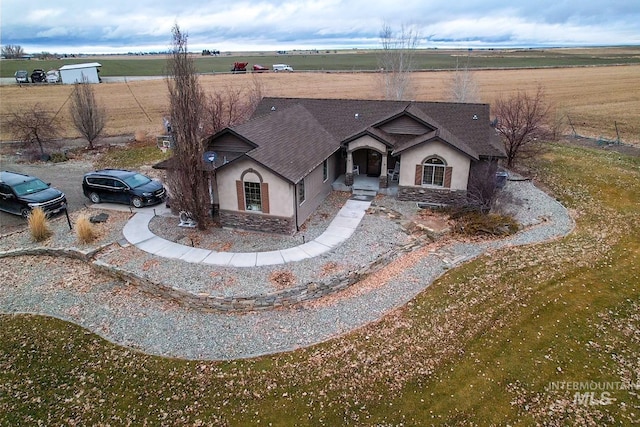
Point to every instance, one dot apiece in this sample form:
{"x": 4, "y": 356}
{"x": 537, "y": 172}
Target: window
{"x": 433, "y": 172}
{"x": 325, "y": 170}
{"x": 252, "y": 196}
{"x": 301, "y": 194}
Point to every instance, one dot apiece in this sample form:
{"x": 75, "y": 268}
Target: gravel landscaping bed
{"x": 63, "y": 237}
{"x": 116, "y": 310}
{"x": 376, "y": 236}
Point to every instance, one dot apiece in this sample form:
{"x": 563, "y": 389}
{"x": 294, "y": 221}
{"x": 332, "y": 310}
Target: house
{"x": 273, "y": 171}
{"x": 79, "y": 73}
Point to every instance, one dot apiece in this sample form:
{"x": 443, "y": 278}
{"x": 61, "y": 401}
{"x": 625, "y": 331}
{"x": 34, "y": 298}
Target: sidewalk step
{"x": 360, "y": 192}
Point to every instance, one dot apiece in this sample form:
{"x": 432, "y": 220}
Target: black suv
{"x": 122, "y": 186}
{"x": 20, "y": 193}
{"x": 38, "y": 76}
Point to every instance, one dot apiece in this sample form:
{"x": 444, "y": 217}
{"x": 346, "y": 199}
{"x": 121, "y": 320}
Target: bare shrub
{"x": 89, "y": 118}
{"x": 282, "y": 279}
{"x": 34, "y": 125}
{"x": 231, "y": 106}
{"x": 84, "y": 230}
{"x": 481, "y": 191}
{"x": 39, "y": 225}
{"x": 468, "y": 223}
{"x": 140, "y": 136}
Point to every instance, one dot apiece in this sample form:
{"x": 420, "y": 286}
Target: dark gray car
{"x": 122, "y": 186}
{"x": 20, "y": 193}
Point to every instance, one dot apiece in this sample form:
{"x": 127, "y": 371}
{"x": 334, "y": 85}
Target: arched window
{"x": 253, "y": 193}
{"x": 433, "y": 171}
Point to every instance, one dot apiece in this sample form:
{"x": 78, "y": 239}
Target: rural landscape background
{"x": 486, "y": 344}
{"x": 594, "y": 88}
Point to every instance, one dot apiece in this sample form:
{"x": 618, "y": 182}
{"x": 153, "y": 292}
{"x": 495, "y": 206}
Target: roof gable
{"x": 290, "y": 142}
{"x": 466, "y": 126}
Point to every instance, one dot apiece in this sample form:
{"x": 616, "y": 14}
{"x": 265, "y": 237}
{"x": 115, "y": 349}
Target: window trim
{"x": 301, "y": 197}
{"x": 442, "y": 165}
{"x": 325, "y": 170}
{"x": 257, "y": 195}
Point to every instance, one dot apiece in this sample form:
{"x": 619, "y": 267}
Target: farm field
{"x": 595, "y": 99}
{"x": 347, "y": 60}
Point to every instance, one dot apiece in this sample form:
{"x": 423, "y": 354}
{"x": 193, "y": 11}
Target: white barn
{"x": 77, "y": 73}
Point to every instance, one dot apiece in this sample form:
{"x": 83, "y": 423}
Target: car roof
{"x": 118, "y": 173}
{"x": 13, "y": 178}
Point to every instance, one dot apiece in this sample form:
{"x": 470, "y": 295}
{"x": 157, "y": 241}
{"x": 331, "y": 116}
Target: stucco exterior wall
{"x": 316, "y": 188}
{"x": 367, "y": 142}
{"x": 459, "y": 163}
{"x": 281, "y": 193}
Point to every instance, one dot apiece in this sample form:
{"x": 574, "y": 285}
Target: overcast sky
{"x": 120, "y": 26}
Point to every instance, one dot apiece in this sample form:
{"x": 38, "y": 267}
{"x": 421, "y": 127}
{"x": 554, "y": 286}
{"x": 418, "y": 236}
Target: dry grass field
{"x": 594, "y": 98}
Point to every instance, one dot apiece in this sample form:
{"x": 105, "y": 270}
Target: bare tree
{"x": 522, "y": 122}
{"x": 464, "y": 87}
{"x": 396, "y": 59}
{"x": 12, "y": 51}
{"x": 88, "y": 117}
{"x": 187, "y": 180}
{"x": 34, "y": 126}
{"x": 229, "y": 106}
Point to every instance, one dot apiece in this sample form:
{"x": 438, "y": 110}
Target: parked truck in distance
{"x": 282, "y": 67}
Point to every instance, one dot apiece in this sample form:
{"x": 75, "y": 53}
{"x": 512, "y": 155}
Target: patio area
{"x": 367, "y": 185}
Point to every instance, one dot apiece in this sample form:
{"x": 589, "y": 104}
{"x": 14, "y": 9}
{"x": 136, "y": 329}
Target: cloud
{"x": 141, "y": 25}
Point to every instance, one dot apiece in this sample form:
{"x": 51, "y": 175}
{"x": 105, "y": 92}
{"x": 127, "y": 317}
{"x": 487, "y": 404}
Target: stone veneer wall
{"x": 257, "y": 222}
{"x": 268, "y": 301}
{"x": 433, "y": 195}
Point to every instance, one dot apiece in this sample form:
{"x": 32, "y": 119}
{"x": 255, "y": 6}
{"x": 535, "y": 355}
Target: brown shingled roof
{"x": 290, "y": 141}
{"x": 468, "y": 124}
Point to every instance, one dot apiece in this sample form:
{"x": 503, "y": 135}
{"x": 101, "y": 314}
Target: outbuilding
{"x": 78, "y": 73}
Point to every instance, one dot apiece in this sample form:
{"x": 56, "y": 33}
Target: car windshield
{"x": 136, "y": 180}
{"x": 30, "y": 187}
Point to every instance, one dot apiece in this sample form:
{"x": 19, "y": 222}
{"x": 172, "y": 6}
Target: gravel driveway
{"x": 65, "y": 176}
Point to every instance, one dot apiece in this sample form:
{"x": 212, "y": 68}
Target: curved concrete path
{"x": 137, "y": 232}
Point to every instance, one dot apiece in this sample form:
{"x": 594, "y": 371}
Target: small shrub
{"x": 282, "y": 279}
{"x": 39, "y": 225}
{"x": 84, "y": 230}
{"x": 476, "y": 223}
{"x": 58, "y": 157}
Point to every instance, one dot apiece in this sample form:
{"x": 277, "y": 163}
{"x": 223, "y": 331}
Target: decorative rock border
{"x": 208, "y": 303}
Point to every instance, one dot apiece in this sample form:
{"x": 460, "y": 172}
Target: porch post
{"x": 383, "y": 180}
{"x": 348, "y": 175}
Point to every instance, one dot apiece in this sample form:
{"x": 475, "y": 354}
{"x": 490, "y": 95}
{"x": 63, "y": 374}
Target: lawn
{"x": 485, "y": 344}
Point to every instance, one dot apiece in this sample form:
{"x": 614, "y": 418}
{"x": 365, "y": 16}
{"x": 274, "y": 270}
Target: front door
{"x": 374, "y": 163}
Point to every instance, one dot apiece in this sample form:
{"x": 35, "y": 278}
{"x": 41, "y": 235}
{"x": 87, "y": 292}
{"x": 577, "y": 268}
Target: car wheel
{"x": 25, "y": 213}
{"x": 137, "y": 202}
{"x": 94, "y": 198}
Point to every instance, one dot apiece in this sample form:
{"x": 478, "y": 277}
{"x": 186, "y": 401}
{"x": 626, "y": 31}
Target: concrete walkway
{"x": 137, "y": 232}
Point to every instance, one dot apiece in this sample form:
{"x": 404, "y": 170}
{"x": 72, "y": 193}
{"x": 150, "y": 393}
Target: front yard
{"x": 485, "y": 344}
